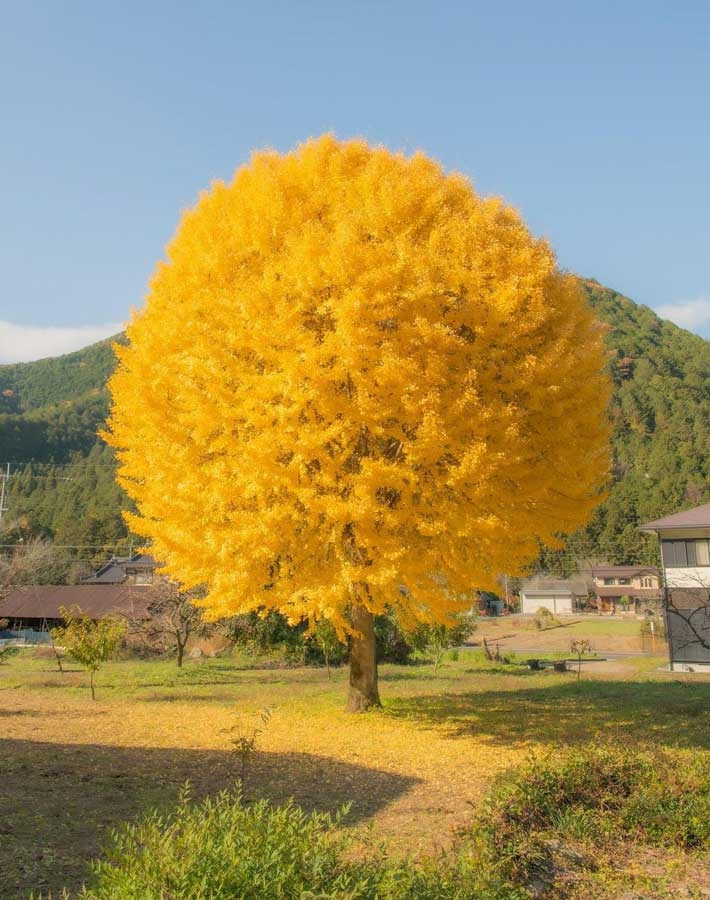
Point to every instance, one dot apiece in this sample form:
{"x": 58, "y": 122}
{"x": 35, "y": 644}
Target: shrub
{"x": 391, "y": 641}
{"x": 221, "y": 849}
{"x": 544, "y": 619}
{"x": 597, "y": 796}
{"x": 6, "y": 653}
{"x": 433, "y": 641}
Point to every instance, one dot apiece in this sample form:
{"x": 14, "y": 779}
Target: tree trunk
{"x": 363, "y": 663}
{"x": 180, "y": 651}
{"x": 91, "y": 684}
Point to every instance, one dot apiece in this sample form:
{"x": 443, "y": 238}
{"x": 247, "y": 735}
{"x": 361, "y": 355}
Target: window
{"x": 685, "y": 554}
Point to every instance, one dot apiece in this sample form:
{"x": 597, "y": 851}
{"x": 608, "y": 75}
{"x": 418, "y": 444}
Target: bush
{"x": 270, "y": 639}
{"x": 596, "y": 796}
{"x": 432, "y": 641}
{"x": 544, "y": 619}
{"x": 221, "y": 849}
{"x": 392, "y": 643}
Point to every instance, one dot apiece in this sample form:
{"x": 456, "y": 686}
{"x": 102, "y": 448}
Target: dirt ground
{"x": 607, "y": 634}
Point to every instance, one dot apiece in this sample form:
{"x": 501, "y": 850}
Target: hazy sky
{"x": 592, "y": 119}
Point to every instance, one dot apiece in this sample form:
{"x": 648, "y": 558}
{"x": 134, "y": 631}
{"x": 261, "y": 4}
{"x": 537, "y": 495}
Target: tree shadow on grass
{"x": 60, "y": 800}
{"x": 671, "y": 714}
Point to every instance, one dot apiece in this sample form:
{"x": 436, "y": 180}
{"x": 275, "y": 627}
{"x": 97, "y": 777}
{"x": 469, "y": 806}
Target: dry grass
{"x": 415, "y": 769}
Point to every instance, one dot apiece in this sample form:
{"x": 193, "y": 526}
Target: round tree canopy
{"x": 353, "y": 371}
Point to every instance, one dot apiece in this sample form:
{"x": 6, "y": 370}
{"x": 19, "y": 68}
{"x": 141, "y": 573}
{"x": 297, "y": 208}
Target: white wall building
{"x": 685, "y": 553}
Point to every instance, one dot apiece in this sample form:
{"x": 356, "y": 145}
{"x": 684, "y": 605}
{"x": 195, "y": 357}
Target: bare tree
{"x": 173, "y": 619}
{"x": 36, "y": 561}
{"x": 688, "y": 614}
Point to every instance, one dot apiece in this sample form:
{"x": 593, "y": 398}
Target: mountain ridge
{"x": 51, "y": 409}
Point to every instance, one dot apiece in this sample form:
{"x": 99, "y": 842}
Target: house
{"x": 562, "y": 598}
{"x": 640, "y": 585}
{"x": 138, "y": 568}
{"x": 685, "y": 554}
{"x": 32, "y": 611}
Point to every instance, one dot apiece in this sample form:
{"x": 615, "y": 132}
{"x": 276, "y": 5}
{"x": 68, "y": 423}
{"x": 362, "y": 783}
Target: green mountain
{"x": 61, "y": 482}
{"x": 62, "y": 475}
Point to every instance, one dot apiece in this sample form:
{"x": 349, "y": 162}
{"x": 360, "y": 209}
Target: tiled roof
{"x": 114, "y": 571}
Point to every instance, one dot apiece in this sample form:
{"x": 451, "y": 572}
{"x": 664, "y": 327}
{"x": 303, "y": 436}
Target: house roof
{"x": 44, "y": 601}
{"x": 698, "y": 517}
{"x": 114, "y": 571}
{"x": 545, "y": 586}
{"x": 623, "y": 571}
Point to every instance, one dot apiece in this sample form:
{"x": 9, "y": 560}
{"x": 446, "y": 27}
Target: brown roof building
{"x": 35, "y": 604}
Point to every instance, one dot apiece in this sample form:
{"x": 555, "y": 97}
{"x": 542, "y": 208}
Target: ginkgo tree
{"x": 355, "y": 386}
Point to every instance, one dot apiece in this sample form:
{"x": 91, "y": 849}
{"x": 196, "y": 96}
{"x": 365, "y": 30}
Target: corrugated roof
{"x": 698, "y": 517}
{"x": 44, "y": 601}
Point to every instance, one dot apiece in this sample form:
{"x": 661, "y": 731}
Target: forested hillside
{"x": 62, "y": 485}
{"x": 61, "y": 482}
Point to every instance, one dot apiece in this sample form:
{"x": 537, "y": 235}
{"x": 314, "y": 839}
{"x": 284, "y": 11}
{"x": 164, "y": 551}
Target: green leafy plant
{"x": 6, "y": 653}
{"x": 223, "y": 848}
{"x": 595, "y": 797}
{"x": 327, "y": 640}
{"x": 434, "y": 640}
{"x": 244, "y": 739}
{"x": 91, "y": 643}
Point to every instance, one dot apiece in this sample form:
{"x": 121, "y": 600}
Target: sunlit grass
{"x": 416, "y": 768}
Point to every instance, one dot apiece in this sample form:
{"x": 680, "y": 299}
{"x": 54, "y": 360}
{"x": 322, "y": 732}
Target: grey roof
{"x": 114, "y": 571}
{"x": 44, "y": 601}
{"x": 699, "y": 517}
{"x": 544, "y": 586}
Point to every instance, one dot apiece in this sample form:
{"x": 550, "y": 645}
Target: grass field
{"x": 414, "y": 770}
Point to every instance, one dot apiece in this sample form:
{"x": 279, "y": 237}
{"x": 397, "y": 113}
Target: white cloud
{"x": 691, "y": 314}
{"x": 23, "y": 343}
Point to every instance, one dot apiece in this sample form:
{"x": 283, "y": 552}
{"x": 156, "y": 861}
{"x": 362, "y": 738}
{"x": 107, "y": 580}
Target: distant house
{"x": 117, "y": 588}
{"x": 685, "y": 553}
{"x": 641, "y": 585}
{"x": 562, "y": 598}
{"x": 31, "y": 611}
{"x": 138, "y": 568}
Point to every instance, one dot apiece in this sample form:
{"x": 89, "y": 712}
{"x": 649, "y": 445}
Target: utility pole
{"x": 5, "y": 479}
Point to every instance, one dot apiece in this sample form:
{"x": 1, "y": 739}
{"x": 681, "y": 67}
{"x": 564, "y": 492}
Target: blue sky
{"x": 592, "y": 119}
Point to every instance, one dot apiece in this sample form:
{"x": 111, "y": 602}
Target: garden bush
{"x": 595, "y": 797}
{"x": 221, "y": 849}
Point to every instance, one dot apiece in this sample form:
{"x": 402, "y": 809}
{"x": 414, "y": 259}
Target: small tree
{"x": 91, "y": 643}
{"x": 174, "y": 618}
{"x": 579, "y": 647}
{"x": 435, "y": 640}
{"x": 327, "y": 640}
